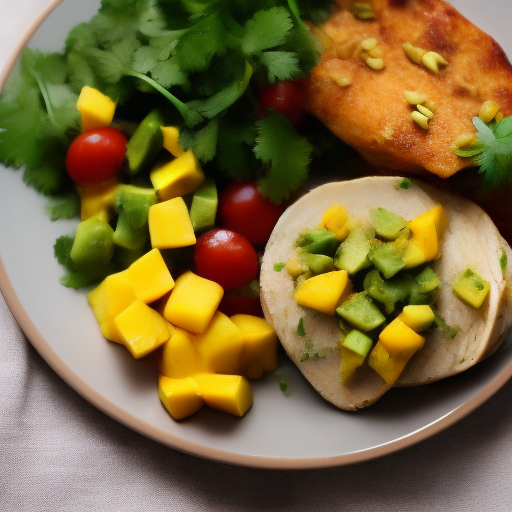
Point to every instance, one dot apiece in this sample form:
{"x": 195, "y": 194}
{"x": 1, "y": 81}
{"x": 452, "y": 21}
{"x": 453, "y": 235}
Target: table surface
{"x": 59, "y": 453}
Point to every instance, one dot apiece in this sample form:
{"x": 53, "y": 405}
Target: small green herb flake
{"x": 450, "y": 331}
{"x": 503, "y": 262}
{"x": 279, "y": 266}
{"x": 405, "y": 184}
{"x": 300, "y": 328}
{"x": 283, "y": 385}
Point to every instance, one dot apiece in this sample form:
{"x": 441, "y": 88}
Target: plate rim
{"x": 183, "y": 445}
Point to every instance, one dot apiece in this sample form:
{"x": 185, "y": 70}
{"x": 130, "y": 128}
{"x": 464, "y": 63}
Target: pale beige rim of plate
{"x": 263, "y": 462}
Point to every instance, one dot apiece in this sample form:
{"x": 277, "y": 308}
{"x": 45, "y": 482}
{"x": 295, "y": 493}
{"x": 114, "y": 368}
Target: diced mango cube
{"x": 387, "y": 366}
{"x": 336, "y": 219}
{"x": 112, "y": 296}
{"x": 324, "y": 292}
{"x": 179, "y": 177}
{"x": 150, "y": 277}
{"x": 227, "y": 393}
{"x": 260, "y": 344}
{"x": 350, "y": 362}
{"x": 96, "y": 109}
{"x": 399, "y": 339}
{"x": 471, "y": 288}
{"x": 221, "y": 346}
{"x": 141, "y": 329}
{"x": 417, "y": 317}
{"x": 98, "y": 198}
{"x": 170, "y": 226}
{"x": 179, "y": 396}
{"x": 193, "y": 302}
{"x": 172, "y": 140}
{"x": 180, "y": 358}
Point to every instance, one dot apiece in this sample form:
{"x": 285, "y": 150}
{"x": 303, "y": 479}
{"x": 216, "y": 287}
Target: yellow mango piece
{"x": 399, "y": 339}
{"x": 150, "y": 277}
{"x": 193, "y": 302}
{"x": 111, "y": 297}
{"x": 99, "y": 198}
{"x": 260, "y": 344}
{"x": 227, "y": 393}
{"x": 417, "y": 317}
{"x": 141, "y": 329}
{"x": 413, "y": 256}
{"x": 179, "y": 396}
{"x": 169, "y": 225}
{"x": 350, "y": 362}
{"x": 387, "y": 366}
{"x": 96, "y": 109}
{"x": 179, "y": 177}
{"x": 179, "y": 357}
{"x": 172, "y": 140}
{"x": 221, "y": 346}
{"x": 336, "y": 219}
{"x": 324, "y": 292}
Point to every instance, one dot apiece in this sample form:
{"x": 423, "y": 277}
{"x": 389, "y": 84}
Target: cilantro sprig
{"x": 200, "y": 63}
{"x": 492, "y": 151}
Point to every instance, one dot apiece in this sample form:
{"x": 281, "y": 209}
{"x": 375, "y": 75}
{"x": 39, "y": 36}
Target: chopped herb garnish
{"x": 311, "y": 350}
{"x": 283, "y": 385}
{"x": 405, "y": 184}
{"x": 279, "y": 266}
{"x": 503, "y": 262}
{"x": 449, "y": 330}
{"x": 300, "y": 328}
{"x": 492, "y": 151}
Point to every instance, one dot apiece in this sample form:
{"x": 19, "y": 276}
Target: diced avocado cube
{"x": 135, "y": 203}
{"x": 387, "y": 224}
{"x": 318, "y": 241}
{"x": 427, "y": 280}
{"x": 358, "y": 342}
{"x": 352, "y": 254}
{"x": 93, "y": 244}
{"x": 317, "y": 263}
{"x": 388, "y": 291}
{"x": 471, "y": 288}
{"x": 387, "y": 258}
{"x": 145, "y": 143}
{"x": 361, "y": 312}
{"x": 203, "y": 209}
{"x": 128, "y": 236}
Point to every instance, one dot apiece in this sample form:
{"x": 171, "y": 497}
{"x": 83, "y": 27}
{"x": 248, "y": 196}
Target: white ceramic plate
{"x": 295, "y": 431}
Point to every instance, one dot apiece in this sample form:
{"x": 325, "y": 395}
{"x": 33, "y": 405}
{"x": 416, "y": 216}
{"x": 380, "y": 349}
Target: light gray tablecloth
{"x": 60, "y": 454}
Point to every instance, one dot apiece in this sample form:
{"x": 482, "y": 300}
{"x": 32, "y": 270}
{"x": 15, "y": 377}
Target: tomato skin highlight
{"x": 225, "y": 257}
{"x": 95, "y": 156}
{"x": 286, "y": 97}
{"x": 243, "y": 209}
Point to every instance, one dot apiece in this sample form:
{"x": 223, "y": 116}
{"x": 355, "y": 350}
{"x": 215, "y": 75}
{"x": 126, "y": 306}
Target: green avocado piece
{"x": 135, "y": 203}
{"x": 427, "y": 280}
{"x": 317, "y": 263}
{"x": 361, "y": 312}
{"x": 387, "y": 258}
{"x": 388, "y": 291}
{"x": 145, "y": 143}
{"x": 93, "y": 244}
{"x": 128, "y": 236}
{"x": 352, "y": 254}
{"x": 203, "y": 209}
{"x": 471, "y": 288}
{"x": 387, "y": 224}
{"x": 318, "y": 241}
{"x": 358, "y": 342}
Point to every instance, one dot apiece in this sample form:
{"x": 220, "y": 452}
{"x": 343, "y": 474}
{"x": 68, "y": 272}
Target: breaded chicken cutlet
{"x": 401, "y": 80}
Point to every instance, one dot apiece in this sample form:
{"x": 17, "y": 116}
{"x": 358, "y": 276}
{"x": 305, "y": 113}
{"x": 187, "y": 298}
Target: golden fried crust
{"x": 372, "y": 115}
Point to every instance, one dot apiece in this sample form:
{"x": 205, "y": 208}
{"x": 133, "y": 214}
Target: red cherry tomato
{"x": 287, "y": 97}
{"x": 235, "y": 304}
{"x": 243, "y": 209}
{"x": 225, "y": 257}
{"x": 96, "y": 155}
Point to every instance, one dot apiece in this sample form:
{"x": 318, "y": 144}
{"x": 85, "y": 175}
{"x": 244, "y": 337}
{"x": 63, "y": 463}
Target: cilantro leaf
{"x": 286, "y": 154}
{"x": 62, "y": 250}
{"x": 280, "y": 65}
{"x": 64, "y": 207}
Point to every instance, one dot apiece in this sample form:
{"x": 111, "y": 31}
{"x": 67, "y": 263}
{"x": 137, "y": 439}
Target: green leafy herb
{"x": 450, "y": 331}
{"x": 404, "y": 184}
{"x": 279, "y": 266}
{"x": 283, "y": 385}
{"x": 492, "y": 151}
{"x": 503, "y": 262}
{"x": 311, "y": 350}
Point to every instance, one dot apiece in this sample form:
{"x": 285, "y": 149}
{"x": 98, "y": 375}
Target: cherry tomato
{"x": 225, "y": 257}
{"x": 287, "y": 97}
{"x": 235, "y": 304}
{"x": 96, "y": 155}
{"x": 242, "y": 208}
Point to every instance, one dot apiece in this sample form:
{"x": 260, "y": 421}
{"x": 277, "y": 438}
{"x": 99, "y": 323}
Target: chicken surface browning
{"x": 366, "y": 106}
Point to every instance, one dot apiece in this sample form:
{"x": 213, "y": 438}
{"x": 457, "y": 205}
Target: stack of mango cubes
{"x": 206, "y": 356}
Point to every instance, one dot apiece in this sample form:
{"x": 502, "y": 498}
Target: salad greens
{"x": 198, "y": 61}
